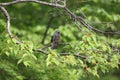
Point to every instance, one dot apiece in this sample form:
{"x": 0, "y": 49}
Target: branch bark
{"x": 81, "y": 20}
{"x": 35, "y": 1}
{"x": 47, "y": 28}
{"x": 7, "y": 20}
{"x": 71, "y": 14}
{"x": 63, "y": 54}
{"x": 5, "y": 12}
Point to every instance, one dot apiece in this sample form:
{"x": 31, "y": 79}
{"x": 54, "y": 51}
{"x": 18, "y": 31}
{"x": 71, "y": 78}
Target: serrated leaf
{"x": 19, "y": 61}
{"x": 8, "y": 41}
{"x": 48, "y": 63}
{"x": 81, "y": 62}
{"x": 88, "y": 39}
{"x": 22, "y": 46}
{"x": 26, "y": 63}
{"x": 103, "y": 70}
{"x": 14, "y": 40}
{"x": 24, "y": 55}
{"x": 33, "y": 56}
{"x": 7, "y": 53}
{"x": 30, "y": 46}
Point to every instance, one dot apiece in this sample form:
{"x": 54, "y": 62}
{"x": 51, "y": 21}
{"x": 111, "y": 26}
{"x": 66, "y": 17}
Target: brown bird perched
{"x": 55, "y": 39}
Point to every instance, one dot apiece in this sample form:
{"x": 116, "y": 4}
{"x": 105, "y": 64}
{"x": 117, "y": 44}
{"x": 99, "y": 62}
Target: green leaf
{"x": 7, "y": 53}
{"x": 26, "y": 63}
{"x": 33, "y": 56}
{"x": 19, "y": 61}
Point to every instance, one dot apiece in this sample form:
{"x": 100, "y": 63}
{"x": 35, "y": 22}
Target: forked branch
{"x": 76, "y": 19}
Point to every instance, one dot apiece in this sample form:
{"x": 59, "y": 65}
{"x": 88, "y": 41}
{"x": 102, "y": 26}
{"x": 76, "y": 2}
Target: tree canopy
{"x": 89, "y": 47}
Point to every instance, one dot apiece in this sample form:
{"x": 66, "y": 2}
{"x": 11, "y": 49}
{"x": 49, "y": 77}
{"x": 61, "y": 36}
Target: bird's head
{"x": 57, "y": 32}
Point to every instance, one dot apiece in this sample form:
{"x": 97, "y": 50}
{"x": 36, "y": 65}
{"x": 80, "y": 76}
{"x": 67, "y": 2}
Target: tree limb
{"x": 63, "y": 54}
{"x": 71, "y": 14}
{"x": 35, "y": 1}
{"x": 8, "y": 23}
{"x": 42, "y": 51}
{"x": 7, "y": 20}
{"x": 47, "y": 28}
{"x": 81, "y": 20}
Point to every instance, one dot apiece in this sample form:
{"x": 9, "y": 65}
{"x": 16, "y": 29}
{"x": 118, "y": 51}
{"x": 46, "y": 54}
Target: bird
{"x": 55, "y": 39}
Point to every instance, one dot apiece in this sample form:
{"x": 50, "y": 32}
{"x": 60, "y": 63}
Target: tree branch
{"x": 63, "y": 54}
{"x": 81, "y": 20}
{"x": 47, "y": 28}
{"x": 7, "y": 20}
{"x": 71, "y": 14}
{"x": 76, "y": 55}
{"x": 8, "y": 23}
{"x": 35, "y": 1}
{"x": 42, "y": 51}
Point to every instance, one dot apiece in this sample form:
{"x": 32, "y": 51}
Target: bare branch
{"x": 8, "y": 23}
{"x": 47, "y": 28}
{"x": 63, "y": 54}
{"x": 42, "y": 51}
{"x": 7, "y": 20}
{"x": 81, "y": 20}
{"x": 35, "y": 1}
{"x": 71, "y": 14}
{"x": 76, "y": 55}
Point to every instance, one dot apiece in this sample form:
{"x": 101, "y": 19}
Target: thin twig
{"x": 76, "y": 55}
{"x": 63, "y": 54}
{"x": 42, "y": 51}
{"x": 47, "y": 28}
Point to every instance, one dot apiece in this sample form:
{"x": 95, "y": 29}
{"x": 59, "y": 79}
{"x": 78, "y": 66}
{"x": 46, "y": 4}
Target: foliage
{"x": 29, "y": 21}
